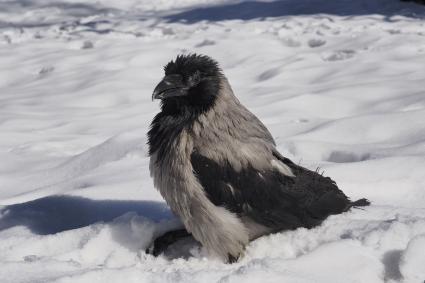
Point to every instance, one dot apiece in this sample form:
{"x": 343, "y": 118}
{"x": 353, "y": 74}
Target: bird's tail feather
{"x": 359, "y": 203}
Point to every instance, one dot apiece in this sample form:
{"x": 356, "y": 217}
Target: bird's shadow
{"x": 54, "y": 214}
{"x": 59, "y": 213}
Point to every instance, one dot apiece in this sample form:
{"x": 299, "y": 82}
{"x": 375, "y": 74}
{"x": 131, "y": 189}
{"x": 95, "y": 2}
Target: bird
{"x": 217, "y": 166}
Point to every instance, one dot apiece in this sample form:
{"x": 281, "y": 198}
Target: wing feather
{"x": 269, "y": 197}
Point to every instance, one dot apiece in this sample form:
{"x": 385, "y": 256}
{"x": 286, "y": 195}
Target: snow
{"x": 340, "y": 84}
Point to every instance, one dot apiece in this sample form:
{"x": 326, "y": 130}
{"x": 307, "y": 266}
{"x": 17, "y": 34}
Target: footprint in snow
{"x": 206, "y": 42}
{"x": 87, "y": 45}
{"x": 347, "y": 157}
{"x": 46, "y": 70}
{"x": 268, "y": 74}
{"x": 168, "y": 31}
{"x": 316, "y": 42}
{"x": 338, "y": 55}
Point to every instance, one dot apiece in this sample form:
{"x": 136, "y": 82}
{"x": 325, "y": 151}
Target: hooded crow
{"x": 218, "y": 168}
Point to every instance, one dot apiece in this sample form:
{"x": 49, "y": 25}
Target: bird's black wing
{"x": 269, "y": 197}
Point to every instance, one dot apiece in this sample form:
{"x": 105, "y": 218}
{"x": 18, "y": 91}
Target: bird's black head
{"x": 191, "y": 82}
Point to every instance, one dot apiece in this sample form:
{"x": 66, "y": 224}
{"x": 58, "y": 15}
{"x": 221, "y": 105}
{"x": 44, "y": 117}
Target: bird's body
{"x": 218, "y": 168}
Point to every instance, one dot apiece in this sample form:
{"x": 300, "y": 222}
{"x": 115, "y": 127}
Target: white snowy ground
{"x": 340, "y": 84}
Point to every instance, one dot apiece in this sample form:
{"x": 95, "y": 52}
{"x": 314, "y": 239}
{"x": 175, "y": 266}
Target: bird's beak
{"x": 170, "y": 86}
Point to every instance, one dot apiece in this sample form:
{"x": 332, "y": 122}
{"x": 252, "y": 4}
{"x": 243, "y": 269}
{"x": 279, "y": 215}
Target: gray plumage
{"x": 217, "y": 166}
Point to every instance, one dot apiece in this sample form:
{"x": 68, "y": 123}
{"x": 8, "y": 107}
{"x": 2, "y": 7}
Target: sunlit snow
{"x": 340, "y": 84}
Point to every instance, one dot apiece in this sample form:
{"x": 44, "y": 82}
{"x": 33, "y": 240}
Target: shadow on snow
{"x": 252, "y": 10}
{"x": 53, "y": 214}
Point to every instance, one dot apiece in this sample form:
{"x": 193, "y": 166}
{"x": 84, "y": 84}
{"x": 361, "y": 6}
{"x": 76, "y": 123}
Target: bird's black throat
{"x": 201, "y": 78}
{"x": 179, "y": 113}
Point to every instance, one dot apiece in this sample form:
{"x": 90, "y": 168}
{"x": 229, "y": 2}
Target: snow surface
{"x": 340, "y": 84}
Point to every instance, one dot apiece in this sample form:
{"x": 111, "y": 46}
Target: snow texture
{"x": 340, "y": 84}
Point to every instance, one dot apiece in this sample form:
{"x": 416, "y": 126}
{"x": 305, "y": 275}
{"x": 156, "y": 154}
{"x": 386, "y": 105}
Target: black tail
{"x": 358, "y": 203}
